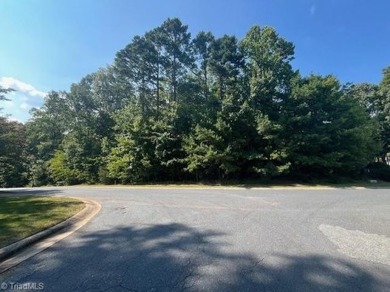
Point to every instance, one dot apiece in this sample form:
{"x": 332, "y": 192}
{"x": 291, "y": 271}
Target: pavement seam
{"x": 22, "y": 250}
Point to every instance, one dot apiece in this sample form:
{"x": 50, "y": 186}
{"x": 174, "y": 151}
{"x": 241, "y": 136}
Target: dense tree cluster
{"x": 176, "y": 108}
{"x": 13, "y": 162}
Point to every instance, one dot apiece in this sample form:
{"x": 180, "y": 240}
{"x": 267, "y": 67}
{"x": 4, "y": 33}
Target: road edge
{"x": 23, "y": 249}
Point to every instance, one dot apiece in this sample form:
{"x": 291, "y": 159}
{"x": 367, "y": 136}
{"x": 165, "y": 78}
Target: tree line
{"x": 173, "y": 107}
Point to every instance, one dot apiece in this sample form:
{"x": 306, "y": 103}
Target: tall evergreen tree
{"x": 202, "y": 49}
{"x": 327, "y": 133}
{"x": 173, "y": 108}
{"x": 174, "y": 42}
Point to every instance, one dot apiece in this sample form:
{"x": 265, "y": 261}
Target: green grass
{"x": 23, "y": 216}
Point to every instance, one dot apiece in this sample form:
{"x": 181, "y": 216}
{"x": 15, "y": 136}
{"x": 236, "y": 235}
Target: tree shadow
{"x": 22, "y": 216}
{"x": 29, "y": 192}
{"x": 177, "y": 257}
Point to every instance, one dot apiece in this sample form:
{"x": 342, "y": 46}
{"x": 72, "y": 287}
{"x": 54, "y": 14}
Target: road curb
{"x": 23, "y": 249}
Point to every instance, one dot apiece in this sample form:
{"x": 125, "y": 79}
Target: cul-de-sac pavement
{"x": 219, "y": 239}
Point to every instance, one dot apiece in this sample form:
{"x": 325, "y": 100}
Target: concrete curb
{"x": 21, "y": 250}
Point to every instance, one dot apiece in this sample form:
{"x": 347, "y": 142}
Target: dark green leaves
{"x": 176, "y": 108}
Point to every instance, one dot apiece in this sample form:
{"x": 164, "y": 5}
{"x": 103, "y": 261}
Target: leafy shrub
{"x": 379, "y": 170}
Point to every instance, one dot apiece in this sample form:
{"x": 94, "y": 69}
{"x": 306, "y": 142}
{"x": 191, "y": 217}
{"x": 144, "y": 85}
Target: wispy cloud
{"x": 313, "y": 10}
{"x": 25, "y": 97}
{"x": 9, "y": 82}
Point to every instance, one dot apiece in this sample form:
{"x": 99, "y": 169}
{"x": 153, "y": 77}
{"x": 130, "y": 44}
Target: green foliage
{"x": 174, "y": 108}
{"x": 384, "y": 114}
{"x": 13, "y": 168}
{"x": 38, "y": 172}
{"x": 327, "y": 132}
{"x": 379, "y": 170}
{"x": 77, "y": 160}
{"x": 3, "y": 92}
{"x": 130, "y": 158}
{"x": 60, "y": 170}
{"x": 204, "y": 155}
{"x": 376, "y": 100}
{"x": 146, "y": 148}
{"x": 268, "y": 69}
{"x": 44, "y": 134}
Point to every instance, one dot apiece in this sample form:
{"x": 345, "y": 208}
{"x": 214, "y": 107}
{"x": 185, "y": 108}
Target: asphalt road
{"x": 219, "y": 240}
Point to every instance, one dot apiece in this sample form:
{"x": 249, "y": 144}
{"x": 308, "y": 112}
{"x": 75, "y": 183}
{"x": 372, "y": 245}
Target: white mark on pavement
{"x": 358, "y": 244}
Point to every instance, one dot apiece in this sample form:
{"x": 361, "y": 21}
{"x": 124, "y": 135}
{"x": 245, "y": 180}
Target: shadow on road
{"x": 29, "y": 192}
{"x": 176, "y": 257}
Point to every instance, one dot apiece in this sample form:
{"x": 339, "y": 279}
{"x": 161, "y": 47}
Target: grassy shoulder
{"x": 254, "y": 184}
{"x": 378, "y": 179}
{"x": 24, "y": 216}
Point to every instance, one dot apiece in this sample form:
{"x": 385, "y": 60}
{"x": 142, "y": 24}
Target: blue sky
{"x": 50, "y": 44}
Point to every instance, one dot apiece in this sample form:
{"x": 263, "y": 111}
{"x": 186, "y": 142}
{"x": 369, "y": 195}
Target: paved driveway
{"x": 220, "y": 240}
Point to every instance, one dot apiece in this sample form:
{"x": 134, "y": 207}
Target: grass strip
{"x": 23, "y": 216}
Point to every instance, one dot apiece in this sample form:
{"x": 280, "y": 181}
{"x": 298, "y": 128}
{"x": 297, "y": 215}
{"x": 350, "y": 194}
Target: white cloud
{"x": 9, "y": 82}
{"x": 25, "y": 97}
{"x": 313, "y": 9}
